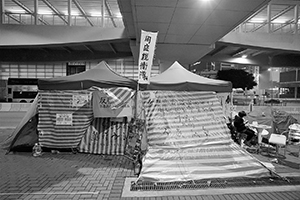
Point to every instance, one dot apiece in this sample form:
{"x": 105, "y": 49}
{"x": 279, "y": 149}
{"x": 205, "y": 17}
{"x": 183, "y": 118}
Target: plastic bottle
{"x": 37, "y": 150}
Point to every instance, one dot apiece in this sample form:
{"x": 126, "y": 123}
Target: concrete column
{"x": 269, "y": 17}
{"x": 69, "y": 12}
{"x": 103, "y": 12}
{"x": 36, "y": 10}
{"x": 296, "y": 18}
{"x": 2, "y": 10}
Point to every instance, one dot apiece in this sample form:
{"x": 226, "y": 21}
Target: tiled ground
{"x": 86, "y": 176}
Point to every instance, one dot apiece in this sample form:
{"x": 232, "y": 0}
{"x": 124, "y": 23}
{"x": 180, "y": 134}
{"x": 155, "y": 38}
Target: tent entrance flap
{"x": 25, "y": 135}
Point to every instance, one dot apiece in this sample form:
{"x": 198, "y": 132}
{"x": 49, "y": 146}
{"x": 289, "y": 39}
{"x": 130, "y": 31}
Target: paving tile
{"x": 115, "y": 195}
{"x": 273, "y": 196}
{"x": 280, "y": 194}
{"x": 114, "y": 198}
{"x": 234, "y": 197}
{"x": 210, "y": 197}
{"x": 294, "y": 195}
{"x": 216, "y": 197}
{"x": 28, "y": 197}
{"x": 242, "y": 197}
{"x": 265, "y": 196}
{"x": 169, "y": 198}
{"x": 107, "y": 178}
{"x": 259, "y": 196}
{"x": 185, "y": 198}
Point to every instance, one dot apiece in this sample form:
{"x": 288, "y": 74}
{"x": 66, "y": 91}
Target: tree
{"x": 238, "y": 77}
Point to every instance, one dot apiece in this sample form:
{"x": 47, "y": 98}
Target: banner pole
{"x": 136, "y": 100}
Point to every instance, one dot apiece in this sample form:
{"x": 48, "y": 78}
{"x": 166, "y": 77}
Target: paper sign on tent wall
{"x": 103, "y": 106}
{"x": 64, "y": 119}
{"x": 147, "y": 48}
{"x": 79, "y": 100}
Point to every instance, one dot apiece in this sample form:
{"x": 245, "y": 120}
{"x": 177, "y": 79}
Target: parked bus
{"x": 22, "y": 90}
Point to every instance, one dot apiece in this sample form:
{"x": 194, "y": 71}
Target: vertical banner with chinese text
{"x": 147, "y": 48}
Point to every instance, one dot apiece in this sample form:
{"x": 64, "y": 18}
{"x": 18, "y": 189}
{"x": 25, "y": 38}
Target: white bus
{"x": 21, "y": 90}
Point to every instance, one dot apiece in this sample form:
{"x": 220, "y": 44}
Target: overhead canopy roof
{"x": 186, "y": 29}
{"x": 189, "y": 31}
{"x": 101, "y": 76}
{"x": 177, "y": 78}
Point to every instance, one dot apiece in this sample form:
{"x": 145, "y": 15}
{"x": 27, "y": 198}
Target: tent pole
{"x": 136, "y": 100}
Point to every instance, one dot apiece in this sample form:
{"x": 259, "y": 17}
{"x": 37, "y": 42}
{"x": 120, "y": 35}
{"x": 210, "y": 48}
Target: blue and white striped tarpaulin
{"x": 105, "y": 136}
{"x": 188, "y": 140}
{"x": 64, "y": 117}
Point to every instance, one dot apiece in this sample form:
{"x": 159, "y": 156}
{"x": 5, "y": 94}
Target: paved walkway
{"x": 86, "y": 176}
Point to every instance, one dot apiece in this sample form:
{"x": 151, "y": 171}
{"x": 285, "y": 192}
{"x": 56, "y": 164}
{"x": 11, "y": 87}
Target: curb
{"x": 12, "y": 107}
{"x": 7, "y": 127}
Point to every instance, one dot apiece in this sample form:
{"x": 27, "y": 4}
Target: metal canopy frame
{"x": 68, "y": 11}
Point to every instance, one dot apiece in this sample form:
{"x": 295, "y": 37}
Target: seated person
{"x": 240, "y": 125}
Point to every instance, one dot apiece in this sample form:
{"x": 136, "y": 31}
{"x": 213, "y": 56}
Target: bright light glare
{"x": 96, "y": 14}
{"x": 257, "y": 20}
{"x": 244, "y": 56}
{"x": 44, "y": 12}
{"x": 72, "y": 13}
{"x": 280, "y": 21}
{"x": 16, "y": 11}
{"x": 75, "y": 14}
{"x": 118, "y": 15}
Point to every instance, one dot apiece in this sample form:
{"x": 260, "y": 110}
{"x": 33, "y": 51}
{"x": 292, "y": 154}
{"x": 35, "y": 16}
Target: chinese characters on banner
{"x": 79, "y": 100}
{"x": 64, "y": 119}
{"x": 147, "y": 48}
{"x": 102, "y": 106}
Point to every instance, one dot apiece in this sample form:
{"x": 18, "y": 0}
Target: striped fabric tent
{"x": 66, "y": 120}
{"x": 100, "y": 76}
{"x": 188, "y": 140}
{"x": 178, "y": 78}
{"x": 64, "y": 117}
{"x": 105, "y": 136}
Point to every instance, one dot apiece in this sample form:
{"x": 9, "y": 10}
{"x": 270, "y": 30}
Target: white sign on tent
{"x": 64, "y": 119}
{"x": 106, "y": 103}
{"x": 147, "y": 48}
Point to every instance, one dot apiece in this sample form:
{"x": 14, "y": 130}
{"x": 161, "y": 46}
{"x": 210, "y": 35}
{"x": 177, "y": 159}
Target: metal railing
{"x": 53, "y": 19}
{"x": 249, "y": 27}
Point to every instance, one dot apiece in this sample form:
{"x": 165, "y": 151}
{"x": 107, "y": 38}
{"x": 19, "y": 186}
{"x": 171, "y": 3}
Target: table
{"x": 261, "y": 131}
